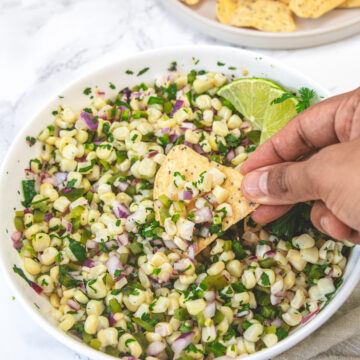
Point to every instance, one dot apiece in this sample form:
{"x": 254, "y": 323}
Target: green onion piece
{"x": 38, "y": 216}
{"x": 159, "y": 317}
{"x": 89, "y": 196}
{"x": 73, "y": 194}
{"x": 76, "y": 212}
{"x": 140, "y": 337}
{"x": 270, "y": 330}
{"x": 115, "y": 306}
{"x": 155, "y": 100}
{"x": 185, "y": 357}
{"x": 201, "y": 319}
{"x": 181, "y": 314}
{"x": 121, "y": 156}
{"x": 144, "y": 324}
{"x": 136, "y": 248}
{"x": 165, "y": 201}
{"x": 164, "y": 214}
{"x": 215, "y": 282}
{"x": 19, "y": 223}
{"x": 87, "y": 338}
{"x": 111, "y": 351}
{"x": 227, "y": 245}
{"x": 150, "y": 136}
{"x": 219, "y": 317}
{"x": 168, "y": 106}
{"x": 267, "y": 263}
{"x": 75, "y": 224}
{"x": 131, "y": 190}
{"x": 95, "y": 344}
{"x": 86, "y": 235}
{"x": 124, "y": 258}
{"x": 28, "y": 188}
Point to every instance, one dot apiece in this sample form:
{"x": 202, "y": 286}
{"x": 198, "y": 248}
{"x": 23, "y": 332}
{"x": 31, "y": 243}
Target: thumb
{"x": 285, "y": 183}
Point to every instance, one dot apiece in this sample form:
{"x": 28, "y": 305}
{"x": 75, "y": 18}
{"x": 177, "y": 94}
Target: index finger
{"x": 310, "y": 130}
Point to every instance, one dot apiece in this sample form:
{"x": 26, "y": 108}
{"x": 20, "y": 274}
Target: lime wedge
{"x": 252, "y": 98}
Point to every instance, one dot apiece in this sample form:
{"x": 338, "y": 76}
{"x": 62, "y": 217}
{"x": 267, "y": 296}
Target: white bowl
{"x": 158, "y": 61}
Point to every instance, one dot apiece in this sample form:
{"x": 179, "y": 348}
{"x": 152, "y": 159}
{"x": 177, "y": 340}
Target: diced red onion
{"x": 129, "y": 270}
{"x": 67, "y": 190}
{"x": 170, "y": 244}
{"x": 185, "y": 195}
{"x": 173, "y": 138}
{"x": 168, "y": 148}
{"x": 188, "y": 126}
{"x": 275, "y": 300}
{"x": 189, "y": 144}
{"x": 207, "y": 128}
{"x": 48, "y": 216}
{"x": 199, "y": 149}
{"x": 277, "y": 322}
{"x": 73, "y": 304}
{"x": 120, "y": 210}
{"x": 36, "y": 287}
{"x": 204, "y": 232}
{"x": 89, "y": 263}
{"x": 27, "y": 211}
{"x": 191, "y": 251}
{"x": 88, "y": 119}
{"x": 16, "y": 239}
{"x": 209, "y": 295}
{"x": 123, "y": 239}
{"x": 60, "y": 177}
{"x": 270, "y": 253}
{"x": 29, "y": 174}
{"x": 155, "y": 348}
{"x": 111, "y": 318}
{"x": 91, "y": 244}
{"x": 113, "y": 264}
{"x": 152, "y": 154}
{"x": 308, "y": 317}
{"x": 245, "y": 142}
{"x": 211, "y": 198}
{"x": 330, "y": 274}
{"x": 209, "y": 310}
{"x": 164, "y": 131}
{"x": 122, "y": 185}
{"x": 180, "y": 266}
{"x": 110, "y": 244}
{"x": 177, "y": 106}
{"x": 242, "y": 314}
{"x": 183, "y": 341}
{"x": 203, "y": 215}
{"x": 230, "y": 155}
{"x": 49, "y": 180}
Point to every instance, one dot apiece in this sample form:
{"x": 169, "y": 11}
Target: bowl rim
{"x": 346, "y": 288}
{"x": 186, "y": 10}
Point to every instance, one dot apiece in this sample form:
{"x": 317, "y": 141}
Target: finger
{"x": 328, "y": 223}
{"x": 267, "y": 213}
{"x": 281, "y": 184}
{"x": 312, "y": 129}
{"x": 354, "y": 237}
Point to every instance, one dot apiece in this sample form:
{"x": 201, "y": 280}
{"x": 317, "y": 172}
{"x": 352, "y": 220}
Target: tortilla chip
{"x": 313, "y": 8}
{"x": 350, "y": 4}
{"x": 191, "y": 164}
{"x": 265, "y": 15}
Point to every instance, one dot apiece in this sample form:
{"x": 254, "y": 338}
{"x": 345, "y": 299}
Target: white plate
{"x": 158, "y": 61}
{"x": 333, "y": 26}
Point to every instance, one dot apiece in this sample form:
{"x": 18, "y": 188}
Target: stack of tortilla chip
{"x": 273, "y": 15}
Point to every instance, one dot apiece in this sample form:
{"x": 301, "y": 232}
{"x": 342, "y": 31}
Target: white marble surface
{"x": 44, "y": 44}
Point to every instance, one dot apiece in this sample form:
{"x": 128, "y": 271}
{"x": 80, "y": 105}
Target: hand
{"x": 327, "y": 136}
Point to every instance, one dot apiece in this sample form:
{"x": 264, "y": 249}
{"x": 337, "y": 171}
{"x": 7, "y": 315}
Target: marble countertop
{"x": 46, "y": 44}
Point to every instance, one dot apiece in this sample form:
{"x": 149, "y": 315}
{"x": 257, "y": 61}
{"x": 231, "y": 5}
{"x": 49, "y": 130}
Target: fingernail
{"x": 255, "y": 183}
{"x": 324, "y": 223}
